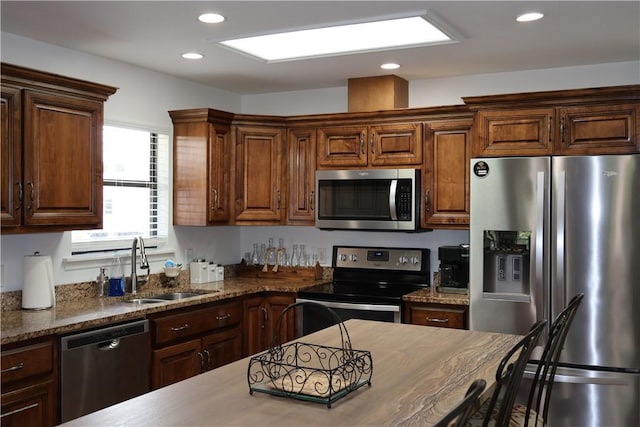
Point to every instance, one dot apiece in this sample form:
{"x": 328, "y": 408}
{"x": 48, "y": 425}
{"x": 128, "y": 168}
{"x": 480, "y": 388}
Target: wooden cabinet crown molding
{"x": 34, "y": 79}
{"x": 555, "y": 98}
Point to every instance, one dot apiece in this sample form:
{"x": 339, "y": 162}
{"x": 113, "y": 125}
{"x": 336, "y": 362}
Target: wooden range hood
{"x": 378, "y": 93}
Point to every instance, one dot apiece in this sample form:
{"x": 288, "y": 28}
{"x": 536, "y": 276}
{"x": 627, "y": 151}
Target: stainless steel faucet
{"x": 144, "y": 265}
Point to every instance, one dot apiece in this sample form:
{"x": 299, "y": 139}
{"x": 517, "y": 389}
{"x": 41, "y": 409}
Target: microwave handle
{"x": 393, "y": 189}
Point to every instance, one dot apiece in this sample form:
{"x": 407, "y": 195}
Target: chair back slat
{"x": 462, "y": 412}
{"x": 509, "y": 376}
{"x": 542, "y": 383}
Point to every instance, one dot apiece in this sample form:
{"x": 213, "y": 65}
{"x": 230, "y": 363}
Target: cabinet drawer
{"x": 28, "y": 361}
{"x": 438, "y": 316}
{"x": 191, "y": 323}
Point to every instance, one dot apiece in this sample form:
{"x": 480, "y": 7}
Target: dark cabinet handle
{"x": 20, "y": 195}
{"x": 225, "y": 317}
{"x": 208, "y": 359}
{"x": 312, "y": 200}
{"x": 201, "y": 361}
{"x": 13, "y": 368}
{"x": 33, "y": 195}
{"x": 180, "y": 328}
{"x": 215, "y": 199}
{"x": 427, "y": 202}
{"x": 16, "y": 411}
{"x": 436, "y": 320}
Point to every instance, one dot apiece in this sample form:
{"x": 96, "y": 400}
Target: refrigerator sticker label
{"x": 481, "y": 169}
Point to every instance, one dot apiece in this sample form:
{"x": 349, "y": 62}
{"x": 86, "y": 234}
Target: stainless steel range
{"x": 368, "y": 283}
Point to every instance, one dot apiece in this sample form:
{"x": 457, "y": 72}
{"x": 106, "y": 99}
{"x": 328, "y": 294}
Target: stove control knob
{"x": 403, "y": 259}
{"x": 415, "y": 260}
{"x": 353, "y": 258}
{"x": 343, "y": 257}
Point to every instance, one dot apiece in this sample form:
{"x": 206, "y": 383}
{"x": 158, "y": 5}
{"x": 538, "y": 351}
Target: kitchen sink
{"x": 166, "y": 297}
{"x": 145, "y": 301}
{"x": 176, "y": 295}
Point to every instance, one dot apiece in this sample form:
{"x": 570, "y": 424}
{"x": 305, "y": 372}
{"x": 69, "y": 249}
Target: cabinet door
{"x": 275, "y": 305}
{"x": 601, "y": 129}
{"x": 254, "y": 332}
{"x": 301, "y": 182}
{"x": 258, "y": 180}
{"x": 29, "y": 406}
{"x": 222, "y": 347}
{"x": 395, "y": 144}
{"x": 11, "y": 192}
{"x": 218, "y": 174}
{"x": 62, "y": 160}
{"x": 446, "y": 175}
{"x": 518, "y": 132}
{"x": 342, "y": 146}
{"x": 176, "y": 363}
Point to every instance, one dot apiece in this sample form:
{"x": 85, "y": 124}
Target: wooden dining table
{"x": 419, "y": 374}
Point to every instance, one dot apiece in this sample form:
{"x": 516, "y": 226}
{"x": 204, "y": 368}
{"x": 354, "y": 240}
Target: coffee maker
{"x": 454, "y": 268}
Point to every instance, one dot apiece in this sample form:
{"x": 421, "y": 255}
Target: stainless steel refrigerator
{"x": 544, "y": 229}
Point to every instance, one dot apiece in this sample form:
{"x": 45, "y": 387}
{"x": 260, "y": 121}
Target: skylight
{"x": 339, "y": 40}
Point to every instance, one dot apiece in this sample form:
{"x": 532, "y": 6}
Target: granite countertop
{"x": 87, "y": 312}
{"x": 79, "y": 309}
{"x": 430, "y": 295}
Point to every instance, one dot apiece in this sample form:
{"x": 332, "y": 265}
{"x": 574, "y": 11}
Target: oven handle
{"x": 354, "y": 306}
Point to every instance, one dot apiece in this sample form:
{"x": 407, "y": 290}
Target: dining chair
{"x": 460, "y": 414}
{"x": 497, "y": 412}
{"x": 536, "y": 411}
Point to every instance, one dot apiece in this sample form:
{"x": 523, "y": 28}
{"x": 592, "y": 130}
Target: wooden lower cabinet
{"x": 191, "y": 341}
{"x": 261, "y": 315}
{"x": 440, "y": 315}
{"x": 29, "y": 378}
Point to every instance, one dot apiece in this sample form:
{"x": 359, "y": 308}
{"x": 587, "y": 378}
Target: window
{"x": 135, "y": 192}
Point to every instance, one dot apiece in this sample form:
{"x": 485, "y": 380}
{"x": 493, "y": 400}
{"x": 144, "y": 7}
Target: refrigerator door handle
{"x": 560, "y": 237}
{"x": 539, "y": 251}
{"x": 578, "y": 379}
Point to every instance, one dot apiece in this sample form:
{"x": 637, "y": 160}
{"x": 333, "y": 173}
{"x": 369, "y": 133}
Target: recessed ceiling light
{"x": 528, "y": 17}
{"x": 363, "y": 37}
{"x": 211, "y": 18}
{"x": 192, "y": 55}
{"x": 390, "y": 66}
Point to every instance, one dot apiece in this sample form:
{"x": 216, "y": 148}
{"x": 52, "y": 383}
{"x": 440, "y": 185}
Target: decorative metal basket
{"x": 310, "y": 372}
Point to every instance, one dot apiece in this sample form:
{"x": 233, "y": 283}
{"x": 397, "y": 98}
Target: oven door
{"x": 312, "y": 318}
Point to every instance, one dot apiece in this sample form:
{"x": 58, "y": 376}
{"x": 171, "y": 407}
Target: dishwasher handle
{"x": 106, "y": 338}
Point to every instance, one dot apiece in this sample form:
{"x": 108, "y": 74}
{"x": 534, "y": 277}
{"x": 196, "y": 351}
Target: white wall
{"x": 451, "y": 90}
{"x": 144, "y": 97}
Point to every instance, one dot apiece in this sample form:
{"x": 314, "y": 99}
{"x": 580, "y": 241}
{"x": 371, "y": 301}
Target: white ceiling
{"x": 153, "y": 34}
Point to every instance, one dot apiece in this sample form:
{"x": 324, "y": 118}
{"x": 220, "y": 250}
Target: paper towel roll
{"x": 38, "y": 289}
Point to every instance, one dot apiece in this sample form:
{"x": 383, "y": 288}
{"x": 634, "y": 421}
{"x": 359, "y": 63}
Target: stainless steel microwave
{"x": 368, "y": 199}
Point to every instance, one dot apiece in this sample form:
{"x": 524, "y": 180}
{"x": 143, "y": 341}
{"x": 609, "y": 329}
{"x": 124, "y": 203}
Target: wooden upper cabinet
{"x": 396, "y": 144}
{"x": 301, "y": 147}
{"x": 514, "y": 132}
{"x": 11, "y": 191}
{"x": 342, "y": 146}
{"x": 62, "y": 160}
{"x": 201, "y": 163}
{"x": 53, "y": 130}
{"x": 446, "y": 174}
{"x": 259, "y": 165}
{"x": 570, "y": 122}
{"x": 611, "y": 129}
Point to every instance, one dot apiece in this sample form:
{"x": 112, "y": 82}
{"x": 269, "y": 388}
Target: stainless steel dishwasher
{"x": 102, "y": 367}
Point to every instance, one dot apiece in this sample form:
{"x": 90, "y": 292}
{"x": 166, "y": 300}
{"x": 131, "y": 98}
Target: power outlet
{"x": 1, "y": 276}
{"x": 322, "y": 256}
